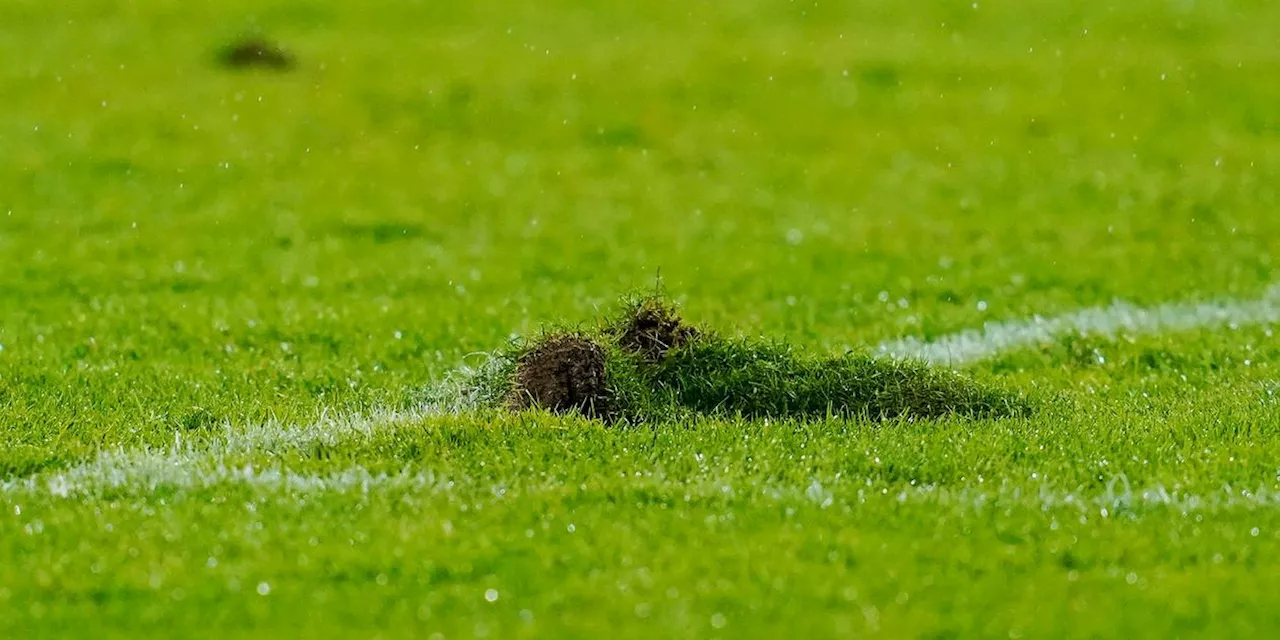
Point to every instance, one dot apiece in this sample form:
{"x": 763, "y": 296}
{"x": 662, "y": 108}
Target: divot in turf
{"x": 646, "y": 364}
{"x": 563, "y": 372}
{"x": 255, "y": 53}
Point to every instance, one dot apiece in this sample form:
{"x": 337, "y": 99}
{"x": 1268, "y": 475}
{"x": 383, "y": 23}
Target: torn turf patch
{"x": 647, "y": 365}
{"x": 562, "y": 373}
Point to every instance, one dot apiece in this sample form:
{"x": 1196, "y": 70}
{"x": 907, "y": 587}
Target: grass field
{"x": 232, "y": 300}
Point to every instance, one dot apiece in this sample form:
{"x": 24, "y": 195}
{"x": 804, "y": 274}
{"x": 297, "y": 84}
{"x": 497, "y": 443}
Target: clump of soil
{"x": 652, "y": 328}
{"x": 255, "y": 53}
{"x": 562, "y": 373}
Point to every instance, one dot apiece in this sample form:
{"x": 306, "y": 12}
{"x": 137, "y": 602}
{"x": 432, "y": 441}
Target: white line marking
{"x": 186, "y": 465}
{"x": 159, "y": 472}
{"x": 973, "y": 345}
{"x": 189, "y": 465}
{"x": 1117, "y": 499}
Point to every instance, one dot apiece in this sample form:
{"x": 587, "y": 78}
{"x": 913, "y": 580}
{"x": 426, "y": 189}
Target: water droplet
{"x": 491, "y": 595}
{"x": 263, "y": 588}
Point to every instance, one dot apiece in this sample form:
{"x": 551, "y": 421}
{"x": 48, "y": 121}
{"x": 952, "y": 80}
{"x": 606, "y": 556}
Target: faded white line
{"x": 973, "y": 345}
{"x": 1115, "y": 500}
{"x": 197, "y": 464}
{"x": 149, "y": 474}
{"x": 205, "y": 463}
{"x": 190, "y": 464}
{"x": 154, "y": 474}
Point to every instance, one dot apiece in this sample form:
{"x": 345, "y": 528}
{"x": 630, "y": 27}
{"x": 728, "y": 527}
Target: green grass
{"x": 187, "y": 252}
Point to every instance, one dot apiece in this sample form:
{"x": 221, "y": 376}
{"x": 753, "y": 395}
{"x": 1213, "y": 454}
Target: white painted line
{"x": 1117, "y": 499}
{"x": 188, "y": 465}
{"x": 144, "y": 476}
{"x": 973, "y": 345}
{"x": 184, "y": 464}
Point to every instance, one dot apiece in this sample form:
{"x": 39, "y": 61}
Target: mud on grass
{"x": 649, "y": 327}
{"x": 563, "y": 372}
{"x": 255, "y": 53}
{"x": 645, "y": 364}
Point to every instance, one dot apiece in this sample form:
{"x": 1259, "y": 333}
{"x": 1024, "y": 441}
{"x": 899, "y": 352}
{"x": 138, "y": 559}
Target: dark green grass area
{"x": 769, "y": 380}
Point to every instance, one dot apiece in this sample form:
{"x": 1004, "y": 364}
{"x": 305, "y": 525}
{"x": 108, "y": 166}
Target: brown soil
{"x": 563, "y": 373}
{"x": 653, "y": 329}
{"x": 255, "y": 53}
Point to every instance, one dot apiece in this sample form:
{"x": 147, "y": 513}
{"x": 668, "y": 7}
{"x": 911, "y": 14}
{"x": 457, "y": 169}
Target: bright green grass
{"x": 182, "y": 247}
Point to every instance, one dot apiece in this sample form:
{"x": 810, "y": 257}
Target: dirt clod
{"x": 563, "y": 373}
{"x": 255, "y": 53}
{"x": 652, "y": 329}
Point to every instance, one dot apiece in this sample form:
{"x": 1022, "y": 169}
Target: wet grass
{"x": 188, "y": 250}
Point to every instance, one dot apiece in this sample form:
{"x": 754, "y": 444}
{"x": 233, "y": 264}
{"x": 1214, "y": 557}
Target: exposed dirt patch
{"x": 255, "y": 53}
{"x": 652, "y": 329}
{"x": 563, "y": 373}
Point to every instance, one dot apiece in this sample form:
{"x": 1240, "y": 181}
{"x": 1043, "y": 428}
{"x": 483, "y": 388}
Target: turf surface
{"x": 188, "y": 252}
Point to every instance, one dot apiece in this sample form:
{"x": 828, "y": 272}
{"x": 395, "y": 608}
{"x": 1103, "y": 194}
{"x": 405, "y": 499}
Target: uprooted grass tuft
{"x": 255, "y": 52}
{"x": 646, "y": 365}
{"x": 561, "y": 373}
{"x": 650, "y": 326}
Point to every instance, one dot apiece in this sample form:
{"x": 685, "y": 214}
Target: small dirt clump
{"x": 651, "y": 329}
{"x": 562, "y": 373}
{"x": 258, "y": 53}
